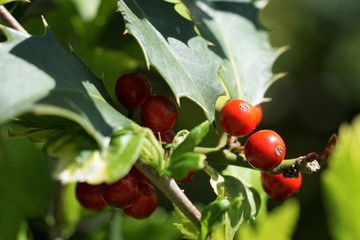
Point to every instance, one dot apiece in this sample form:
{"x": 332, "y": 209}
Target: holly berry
{"x": 121, "y": 193}
{"x": 280, "y": 188}
{"x": 89, "y": 196}
{"x": 259, "y": 114}
{"x": 145, "y": 203}
{"x": 139, "y": 176}
{"x": 264, "y": 150}
{"x": 159, "y": 113}
{"x": 132, "y": 89}
{"x": 238, "y": 118}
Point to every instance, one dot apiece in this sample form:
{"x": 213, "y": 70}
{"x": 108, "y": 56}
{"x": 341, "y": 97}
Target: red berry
{"x": 159, "y": 113}
{"x": 264, "y": 150}
{"x": 238, "y": 118}
{"x": 121, "y": 193}
{"x": 145, "y": 203}
{"x": 186, "y": 179}
{"x": 89, "y": 196}
{"x": 132, "y": 89}
{"x": 259, "y": 114}
{"x": 280, "y": 188}
{"x": 139, "y": 176}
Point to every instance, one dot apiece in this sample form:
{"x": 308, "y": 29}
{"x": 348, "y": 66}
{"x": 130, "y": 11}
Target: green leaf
{"x": 241, "y": 46}
{"x": 79, "y": 159}
{"x": 185, "y": 226}
{"x": 244, "y": 199}
{"x": 8, "y": 1}
{"x": 57, "y": 84}
{"x": 340, "y": 183}
{"x": 187, "y": 142}
{"x": 280, "y": 224}
{"x": 87, "y": 9}
{"x": 182, "y": 158}
{"x": 25, "y": 184}
{"x": 212, "y": 214}
{"x": 172, "y": 46}
{"x": 61, "y": 96}
{"x": 250, "y": 178}
{"x": 180, "y": 166}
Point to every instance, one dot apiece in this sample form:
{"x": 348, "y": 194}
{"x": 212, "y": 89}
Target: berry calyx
{"x": 121, "y": 193}
{"x": 264, "y": 150}
{"x": 259, "y": 114}
{"x": 291, "y": 172}
{"x": 132, "y": 89}
{"x": 238, "y": 118}
{"x": 159, "y": 113}
{"x": 145, "y": 203}
{"x": 280, "y": 188}
{"x": 89, "y": 196}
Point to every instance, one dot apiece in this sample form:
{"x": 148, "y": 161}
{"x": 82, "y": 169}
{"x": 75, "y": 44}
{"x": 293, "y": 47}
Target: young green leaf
{"x": 186, "y": 142}
{"x": 185, "y": 226}
{"x": 181, "y": 165}
{"x": 212, "y": 214}
{"x": 182, "y": 158}
{"x": 245, "y": 201}
{"x": 172, "y": 46}
{"x": 340, "y": 183}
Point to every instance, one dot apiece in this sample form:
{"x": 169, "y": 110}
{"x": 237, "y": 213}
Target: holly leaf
{"x": 340, "y": 182}
{"x": 8, "y": 1}
{"x": 211, "y": 215}
{"x": 185, "y": 226}
{"x": 182, "y": 158}
{"x": 240, "y": 44}
{"x": 185, "y": 141}
{"x": 244, "y": 200}
{"x": 171, "y": 45}
{"x": 62, "y": 97}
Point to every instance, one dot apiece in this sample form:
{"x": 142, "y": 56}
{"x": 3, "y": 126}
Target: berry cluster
{"x": 134, "y": 194}
{"x": 264, "y": 149}
{"x": 157, "y": 112}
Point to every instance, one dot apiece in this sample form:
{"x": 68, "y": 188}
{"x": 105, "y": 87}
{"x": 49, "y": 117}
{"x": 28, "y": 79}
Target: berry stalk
{"x": 172, "y": 191}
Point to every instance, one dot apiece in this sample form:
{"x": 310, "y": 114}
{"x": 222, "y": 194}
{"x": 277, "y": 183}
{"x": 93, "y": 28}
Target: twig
{"x": 172, "y": 191}
{"x": 9, "y": 20}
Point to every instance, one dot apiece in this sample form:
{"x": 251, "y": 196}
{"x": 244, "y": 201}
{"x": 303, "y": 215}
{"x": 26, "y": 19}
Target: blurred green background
{"x": 320, "y": 92}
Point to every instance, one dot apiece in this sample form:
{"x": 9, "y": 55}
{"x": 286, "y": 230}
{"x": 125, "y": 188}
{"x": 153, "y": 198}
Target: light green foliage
{"x": 185, "y": 226}
{"x": 340, "y": 183}
{"x": 182, "y": 158}
{"x": 279, "y": 224}
{"x": 244, "y": 203}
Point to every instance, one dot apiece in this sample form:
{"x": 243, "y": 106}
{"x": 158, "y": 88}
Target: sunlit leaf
{"x": 340, "y": 182}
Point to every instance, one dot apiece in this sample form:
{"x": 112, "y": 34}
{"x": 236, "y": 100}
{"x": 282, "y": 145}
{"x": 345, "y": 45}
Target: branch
{"x": 9, "y": 20}
{"x": 172, "y": 191}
